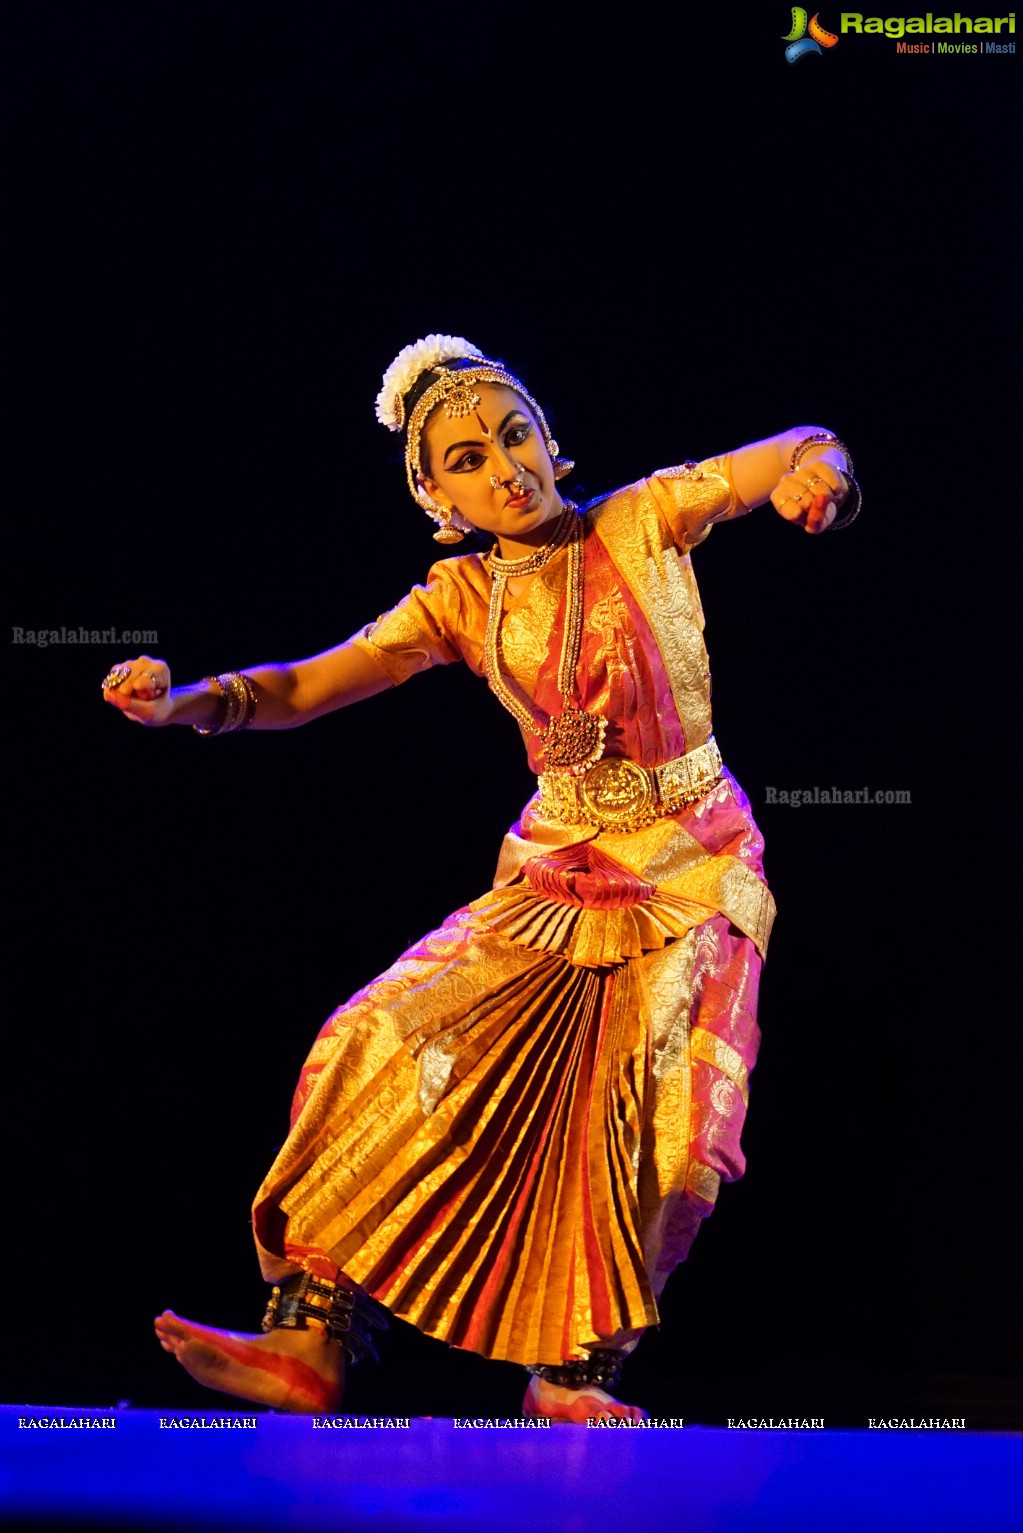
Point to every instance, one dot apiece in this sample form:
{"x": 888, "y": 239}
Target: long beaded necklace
{"x": 572, "y": 740}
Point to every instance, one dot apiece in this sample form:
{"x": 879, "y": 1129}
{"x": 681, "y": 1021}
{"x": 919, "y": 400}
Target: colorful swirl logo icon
{"x": 798, "y": 42}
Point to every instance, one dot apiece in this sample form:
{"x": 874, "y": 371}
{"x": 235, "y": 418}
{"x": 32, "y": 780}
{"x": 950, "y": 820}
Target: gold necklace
{"x": 510, "y": 568}
{"x": 572, "y": 740}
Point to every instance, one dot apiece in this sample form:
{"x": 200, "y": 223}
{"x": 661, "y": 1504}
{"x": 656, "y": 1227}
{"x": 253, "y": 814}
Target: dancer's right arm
{"x": 287, "y": 695}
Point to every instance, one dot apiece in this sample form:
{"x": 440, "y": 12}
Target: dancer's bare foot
{"x": 581, "y": 1405}
{"x": 296, "y": 1370}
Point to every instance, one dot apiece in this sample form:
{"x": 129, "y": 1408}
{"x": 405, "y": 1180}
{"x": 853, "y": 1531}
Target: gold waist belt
{"x": 618, "y": 794}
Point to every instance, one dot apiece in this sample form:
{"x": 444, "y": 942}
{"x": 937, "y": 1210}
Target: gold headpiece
{"x": 456, "y": 394}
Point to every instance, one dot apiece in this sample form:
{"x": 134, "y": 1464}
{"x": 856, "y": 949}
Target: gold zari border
{"x": 715, "y": 1051}
{"x": 702, "y": 1180}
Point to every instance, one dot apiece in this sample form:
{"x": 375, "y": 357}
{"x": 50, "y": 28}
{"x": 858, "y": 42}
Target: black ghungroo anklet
{"x": 348, "y": 1315}
{"x": 603, "y": 1367}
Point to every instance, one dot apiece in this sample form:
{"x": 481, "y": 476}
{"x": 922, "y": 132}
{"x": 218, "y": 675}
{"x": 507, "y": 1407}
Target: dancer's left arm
{"x": 760, "y": 473}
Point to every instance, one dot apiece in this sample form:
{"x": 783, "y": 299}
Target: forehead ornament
{"x": 457, "y": 399}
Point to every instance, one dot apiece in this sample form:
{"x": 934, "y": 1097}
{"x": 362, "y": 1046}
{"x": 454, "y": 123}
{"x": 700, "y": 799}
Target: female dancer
{"x": 511, "y": 1137}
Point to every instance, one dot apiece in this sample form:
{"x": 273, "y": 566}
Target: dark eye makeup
{"x": 514, "y": 436}
{"x": 466, "y": 463}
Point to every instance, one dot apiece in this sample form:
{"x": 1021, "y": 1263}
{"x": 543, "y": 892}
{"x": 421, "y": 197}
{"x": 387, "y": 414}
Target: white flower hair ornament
{"x": 410, "y": 362}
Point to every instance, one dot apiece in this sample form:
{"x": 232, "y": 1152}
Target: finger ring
{"x": 816, "y": 479}
{"x": 115, "y": 676}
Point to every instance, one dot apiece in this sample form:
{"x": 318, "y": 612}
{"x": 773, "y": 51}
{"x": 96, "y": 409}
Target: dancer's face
{"x": 477, "y": 463}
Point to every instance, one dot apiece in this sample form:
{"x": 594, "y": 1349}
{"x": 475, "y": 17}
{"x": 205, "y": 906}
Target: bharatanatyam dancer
{"x": 511, "y": 1137}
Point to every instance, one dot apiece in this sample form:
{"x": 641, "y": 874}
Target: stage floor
{"x": 285, "y": 1472}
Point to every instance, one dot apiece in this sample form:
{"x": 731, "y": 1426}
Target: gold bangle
{"x": 238, "y": 694}
{"x": 821, "y": 439}
{"x": 218, "y": 723}
{"x": 850, "y": 516}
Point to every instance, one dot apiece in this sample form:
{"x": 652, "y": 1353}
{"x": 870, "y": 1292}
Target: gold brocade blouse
{"x": 643, "y": 666}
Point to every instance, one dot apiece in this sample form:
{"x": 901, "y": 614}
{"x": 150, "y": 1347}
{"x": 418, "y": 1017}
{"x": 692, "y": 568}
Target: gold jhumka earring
{"x": 562, "y": 466}
{"x": 447, "y": 532}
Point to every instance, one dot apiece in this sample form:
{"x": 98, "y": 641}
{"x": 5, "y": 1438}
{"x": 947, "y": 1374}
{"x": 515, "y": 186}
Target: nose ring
{"x": 518, "y": 481}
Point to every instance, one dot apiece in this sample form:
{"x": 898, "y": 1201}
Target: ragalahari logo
{"x": 798, "y": 43}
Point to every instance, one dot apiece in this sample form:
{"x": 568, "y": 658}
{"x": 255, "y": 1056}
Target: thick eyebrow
{"x": 457, "y": 446}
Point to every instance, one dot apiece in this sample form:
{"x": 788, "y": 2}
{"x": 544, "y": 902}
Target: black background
{"x": 224, "y": 220}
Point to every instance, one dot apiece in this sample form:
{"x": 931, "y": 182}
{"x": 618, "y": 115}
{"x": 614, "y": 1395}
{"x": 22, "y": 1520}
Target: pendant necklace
{"x": 573, "y": 739}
